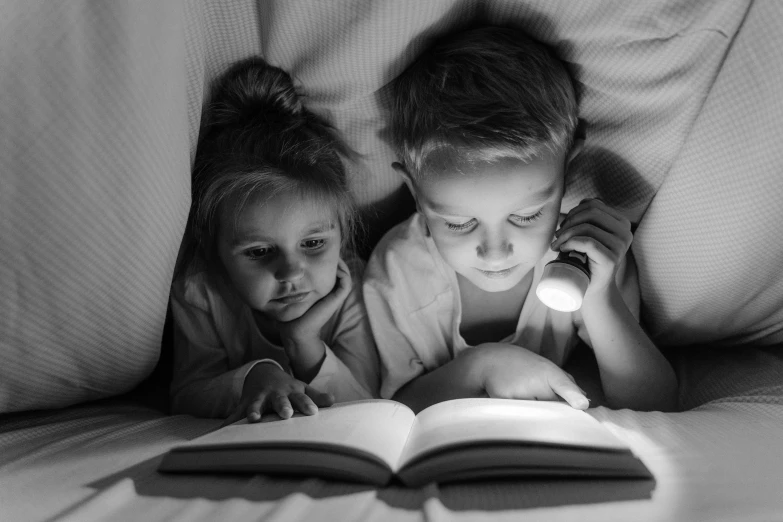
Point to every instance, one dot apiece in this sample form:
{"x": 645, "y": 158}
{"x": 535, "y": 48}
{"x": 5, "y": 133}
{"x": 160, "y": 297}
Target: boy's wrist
{"x": 474, "y": 362}
{"x": 599, "y": 305}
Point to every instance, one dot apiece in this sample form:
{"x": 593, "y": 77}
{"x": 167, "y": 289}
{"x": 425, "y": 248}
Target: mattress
{"x": 722, "y": 459}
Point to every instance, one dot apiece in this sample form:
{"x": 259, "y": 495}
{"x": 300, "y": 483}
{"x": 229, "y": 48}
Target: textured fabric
{"x": 415, "y": 309}
{"x": 217, "y": 342}
{"x": 710, "y": 246}
{"x": 721, "y": 460}
{"x": 101, "y": 106}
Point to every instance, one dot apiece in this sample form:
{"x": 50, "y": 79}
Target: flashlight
{"x": 564, "y": 282}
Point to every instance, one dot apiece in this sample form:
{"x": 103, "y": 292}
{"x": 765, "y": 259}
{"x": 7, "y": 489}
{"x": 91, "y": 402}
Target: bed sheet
{"x": 720, "y": 460}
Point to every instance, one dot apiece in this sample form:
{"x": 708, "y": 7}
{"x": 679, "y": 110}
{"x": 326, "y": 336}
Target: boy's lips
{"x": 292, "y": 298}
{"x": 497, "y": 274}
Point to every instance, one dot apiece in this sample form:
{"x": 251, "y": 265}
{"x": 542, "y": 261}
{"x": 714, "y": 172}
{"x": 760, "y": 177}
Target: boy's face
{"x": 282, "y": 256}
{"x": 493, "y": 221}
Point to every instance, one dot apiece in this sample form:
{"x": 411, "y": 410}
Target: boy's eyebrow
{"x": 533, "y": 200}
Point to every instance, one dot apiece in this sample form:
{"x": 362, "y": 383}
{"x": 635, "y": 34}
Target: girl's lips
{"x": 292, "y": 298}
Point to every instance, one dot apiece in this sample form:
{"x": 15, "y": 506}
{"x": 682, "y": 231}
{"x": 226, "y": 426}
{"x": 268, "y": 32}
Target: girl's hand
{"x": 308, "y": 326}
{"x": 508, "y": 371}
{"x": 301, "y": 337}
{"x": 600, "y": 232}
{"x": 268, "y": 388}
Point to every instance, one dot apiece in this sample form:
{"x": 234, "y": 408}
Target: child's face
{"x": 282, "y": 256}
{"x": 492, "y": 222}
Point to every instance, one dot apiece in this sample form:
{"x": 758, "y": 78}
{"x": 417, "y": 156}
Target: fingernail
{"x": 254, "y": 416}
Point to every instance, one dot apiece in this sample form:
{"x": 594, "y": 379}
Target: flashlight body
{"x": 564, "y": 282}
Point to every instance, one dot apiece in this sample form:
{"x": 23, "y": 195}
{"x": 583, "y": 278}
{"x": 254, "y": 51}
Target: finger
{"x": 303, "y": 403}
{"x": 600, "y": 219}
{"x": 584, "y": 231}
{"x": 282, "y": 406}
{"x": 344, "y": 280}
{"x": 255, "y": 408}
{"x": 598, "y": 203}
{"x": 321, "y": 399}
{"x": 569, "y": 391}
{"x": 342, "y": 265}
{"x": 595, "y": 251}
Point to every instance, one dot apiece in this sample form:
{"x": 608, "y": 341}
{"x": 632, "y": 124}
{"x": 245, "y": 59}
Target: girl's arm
{"x": 202, "y": 384}
{"x": 350, "y": 369}
{"x": 344, "y": 360}
{"x": 634, "y": 373}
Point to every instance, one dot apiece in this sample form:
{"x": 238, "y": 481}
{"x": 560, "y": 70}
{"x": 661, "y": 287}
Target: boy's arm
{"x": 634, "y": 373}
{"x": 499, "y": 370}
{"x": 457, "y": 379}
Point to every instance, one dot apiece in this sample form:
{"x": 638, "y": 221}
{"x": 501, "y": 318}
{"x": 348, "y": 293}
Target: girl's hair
{"x": 482, "y": 94}
{"x": 259, "y": 140}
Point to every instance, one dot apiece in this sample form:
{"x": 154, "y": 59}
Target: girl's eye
{"x": 313, "y": 244}
{"x": 524, "y": 220}
{"x": 461, "y": 227}
{"x": 258, "y": 253}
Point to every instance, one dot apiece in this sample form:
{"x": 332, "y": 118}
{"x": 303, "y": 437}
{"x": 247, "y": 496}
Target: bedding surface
{"x": 719, "y": 461}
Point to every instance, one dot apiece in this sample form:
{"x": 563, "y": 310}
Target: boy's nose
{"x": 289, "y": 268}
{"x": 494, "y": 250}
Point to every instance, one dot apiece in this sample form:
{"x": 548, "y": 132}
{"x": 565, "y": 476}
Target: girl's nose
{"x": 289, "y": 268}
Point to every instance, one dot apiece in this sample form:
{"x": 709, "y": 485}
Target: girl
{"x": 266, "y": 314}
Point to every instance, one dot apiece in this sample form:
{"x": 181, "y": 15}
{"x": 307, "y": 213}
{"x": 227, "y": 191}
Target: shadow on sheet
{"x": 458, "y": 496}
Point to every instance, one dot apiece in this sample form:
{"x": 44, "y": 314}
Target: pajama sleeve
{"x": 202, "y": 384}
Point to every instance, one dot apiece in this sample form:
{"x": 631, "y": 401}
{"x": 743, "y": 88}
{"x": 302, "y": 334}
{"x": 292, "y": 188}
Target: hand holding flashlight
{"x": 592, "y": 240}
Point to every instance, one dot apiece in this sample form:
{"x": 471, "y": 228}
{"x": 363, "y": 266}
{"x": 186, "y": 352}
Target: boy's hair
{"x": 479, "y": 95}
{"x": 259, "y": 140}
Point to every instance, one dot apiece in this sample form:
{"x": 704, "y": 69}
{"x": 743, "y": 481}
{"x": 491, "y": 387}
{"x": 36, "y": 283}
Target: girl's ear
{"x": 406, "y": 177}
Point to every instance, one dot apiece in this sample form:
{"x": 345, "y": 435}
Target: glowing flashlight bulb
{"x": 564, "y": 282}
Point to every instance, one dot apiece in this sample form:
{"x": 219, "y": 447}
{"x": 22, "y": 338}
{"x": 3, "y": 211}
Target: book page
{"x": 505, "y": 420}
{"x": 379, "y": 427}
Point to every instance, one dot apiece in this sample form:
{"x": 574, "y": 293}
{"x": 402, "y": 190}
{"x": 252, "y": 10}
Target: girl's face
{"x": 282, "y": 255}
{"x": 492, "y": 222}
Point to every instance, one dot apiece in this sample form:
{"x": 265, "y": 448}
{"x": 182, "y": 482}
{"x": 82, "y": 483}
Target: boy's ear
{"x": 576, "y": 148}
{"x": 579, "y": 141}
{"x": 406, "y": 177}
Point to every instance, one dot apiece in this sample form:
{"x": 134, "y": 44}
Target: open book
{"x": 373, "y": 441}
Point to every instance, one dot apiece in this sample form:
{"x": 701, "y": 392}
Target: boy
{"x": 483, "y": 123}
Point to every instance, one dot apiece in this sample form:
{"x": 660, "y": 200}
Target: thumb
{"x": 321, "y": 399}
{"x": 569, "y": 391}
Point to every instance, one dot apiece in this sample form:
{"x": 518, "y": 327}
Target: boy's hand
{"x": 268, "y": 388}
{"x": 511, "y": 372}
{"x": 600, "y": 232}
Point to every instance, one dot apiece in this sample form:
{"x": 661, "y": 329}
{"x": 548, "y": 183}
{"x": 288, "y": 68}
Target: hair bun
{"x": 254, "y": 92}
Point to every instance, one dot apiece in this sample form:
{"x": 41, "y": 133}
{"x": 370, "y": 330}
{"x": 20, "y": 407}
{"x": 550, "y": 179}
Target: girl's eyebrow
{"x": 319, "y": 227}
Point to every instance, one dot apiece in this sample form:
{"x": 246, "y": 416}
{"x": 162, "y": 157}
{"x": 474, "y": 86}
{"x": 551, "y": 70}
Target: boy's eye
{"x": 524, "y": 220}
{"x": 461, "y": 227}
{"x": 313, "y": 244}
